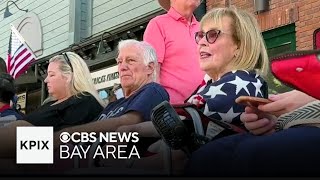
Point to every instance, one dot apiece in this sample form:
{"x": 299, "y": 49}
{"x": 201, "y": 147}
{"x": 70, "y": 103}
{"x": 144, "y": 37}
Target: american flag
{"x": 216, "y": 99}
{"x": 19, "y": 55}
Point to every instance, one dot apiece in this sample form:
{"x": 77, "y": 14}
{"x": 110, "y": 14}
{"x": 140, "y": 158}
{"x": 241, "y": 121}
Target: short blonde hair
{"x": 81, "y": 80}
{"x": 246, "y": 33}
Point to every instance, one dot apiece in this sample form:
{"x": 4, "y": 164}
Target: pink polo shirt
{"x": 173, "y": 39}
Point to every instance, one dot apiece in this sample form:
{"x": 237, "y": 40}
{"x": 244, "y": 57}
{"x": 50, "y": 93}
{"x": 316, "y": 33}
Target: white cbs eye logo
{"x": 64, "y": 137}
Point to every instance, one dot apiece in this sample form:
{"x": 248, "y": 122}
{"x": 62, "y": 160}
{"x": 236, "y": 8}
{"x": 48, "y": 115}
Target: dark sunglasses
{"x": 211, "y": 35}
{"x": 67, "y": 60}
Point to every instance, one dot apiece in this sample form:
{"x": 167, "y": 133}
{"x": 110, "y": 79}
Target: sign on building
{"x": 22, "y": 97}
{"x": 105, "y": 78}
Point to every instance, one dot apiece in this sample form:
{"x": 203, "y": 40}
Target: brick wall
{"x": 309, "y": 20}
{"x": 304, "y": 13}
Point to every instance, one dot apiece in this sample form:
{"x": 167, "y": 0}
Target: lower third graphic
{"x": 34, "y": 145}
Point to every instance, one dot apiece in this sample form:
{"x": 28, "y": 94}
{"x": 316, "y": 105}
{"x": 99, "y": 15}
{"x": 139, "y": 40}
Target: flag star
{"x": 257, "y": 85}
{"x": 207, "y": 111}
{"x": 240, "y": 84}
{"x": 215, "y": 90}
{"x": 228, "y": 117}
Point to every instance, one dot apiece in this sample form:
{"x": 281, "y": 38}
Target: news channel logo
{"x": 116, "y": 147}
{"x": 34, "y": 145}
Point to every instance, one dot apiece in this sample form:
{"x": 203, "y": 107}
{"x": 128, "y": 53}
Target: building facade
{"x": 90, "y": 28}
{"x": 286, "y": 25}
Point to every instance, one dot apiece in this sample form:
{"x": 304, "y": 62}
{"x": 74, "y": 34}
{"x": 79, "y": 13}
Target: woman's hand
{"x": 286, "y": 102}
{"x": 258, "y": 122}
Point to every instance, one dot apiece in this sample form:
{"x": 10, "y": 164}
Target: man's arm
{"x": 145, "y": 129}
{"x": 158, "y": 73}
{"x": 108, "y": 125}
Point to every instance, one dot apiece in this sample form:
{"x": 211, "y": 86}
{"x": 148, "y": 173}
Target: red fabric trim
{"x": 5, "y": 107}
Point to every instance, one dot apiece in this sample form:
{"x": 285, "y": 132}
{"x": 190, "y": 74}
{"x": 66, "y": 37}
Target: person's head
{"x": 137, "y": 63}
{"x": 180, "y": 5}
{"x": 3, "y": 66}
{"x": 69, "y": 75}
{"x": 7, "y": 88}
{"x": 230, "y": 39}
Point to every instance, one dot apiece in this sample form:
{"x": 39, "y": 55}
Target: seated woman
{"x": 272, "y": 148}
{"x": 232, "y": 53}
{"x": 73, "y": 100}
{"x": 284, "y": 134}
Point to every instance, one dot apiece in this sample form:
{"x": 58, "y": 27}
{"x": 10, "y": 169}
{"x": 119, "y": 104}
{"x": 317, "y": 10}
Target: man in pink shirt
{"x": 172, "y": 35}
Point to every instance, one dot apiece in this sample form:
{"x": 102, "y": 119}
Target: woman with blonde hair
{"x": 73, "y": 100}
{"x": 250, "y": 53}
{"x": 79, "y": 74}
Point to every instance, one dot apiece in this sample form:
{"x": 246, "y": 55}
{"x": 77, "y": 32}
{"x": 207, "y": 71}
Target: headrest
{"x": 300, "y": 70}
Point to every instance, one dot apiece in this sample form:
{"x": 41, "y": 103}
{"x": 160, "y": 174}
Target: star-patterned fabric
{"x": 216, "y": 99}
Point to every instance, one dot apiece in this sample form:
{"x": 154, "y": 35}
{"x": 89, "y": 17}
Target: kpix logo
{"x": 34, "y": 145}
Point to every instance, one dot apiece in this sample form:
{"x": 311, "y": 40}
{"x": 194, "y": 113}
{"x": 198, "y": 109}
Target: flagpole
{"x": 15, "y": 31}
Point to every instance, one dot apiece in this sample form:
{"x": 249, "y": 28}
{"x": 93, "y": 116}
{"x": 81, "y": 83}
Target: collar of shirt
{"x": 177, "y": 16}
{"x": 206, "y": 79}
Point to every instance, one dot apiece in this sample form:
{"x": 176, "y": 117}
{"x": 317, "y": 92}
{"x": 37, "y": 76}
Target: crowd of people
{"x": 209, "y": 64}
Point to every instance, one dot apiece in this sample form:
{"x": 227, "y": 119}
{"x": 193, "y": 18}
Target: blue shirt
{"x": 8, "y": 114}
{"x": 142, "y": 101}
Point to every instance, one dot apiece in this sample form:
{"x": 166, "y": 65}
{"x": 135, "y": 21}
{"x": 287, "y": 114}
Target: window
{"x": 316, "y": 39}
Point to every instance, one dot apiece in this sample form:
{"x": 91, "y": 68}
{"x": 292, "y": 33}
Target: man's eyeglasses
{"x": 211, "y": 36}
{"x": 67, "y": 60}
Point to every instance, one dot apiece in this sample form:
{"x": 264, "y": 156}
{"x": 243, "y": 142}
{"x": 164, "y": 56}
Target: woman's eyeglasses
{"x": 67, "y": 60}
{"x": 211, "y": 36}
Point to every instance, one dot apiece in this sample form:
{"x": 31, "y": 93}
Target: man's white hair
{"x": 148, "y": 53}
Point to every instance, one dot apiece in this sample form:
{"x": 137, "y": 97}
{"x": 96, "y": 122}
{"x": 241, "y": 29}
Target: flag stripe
{"x": 17, "y": 59}
{"x": 8, "y": 63}
{"x": 24, "y": 69}
{"x": 19, "y": 55}
{"x": 22, "y": 61}
{"x": 9, "y": 55}
{"x": 18, "y": 51}
{"x": 28, "y": 58}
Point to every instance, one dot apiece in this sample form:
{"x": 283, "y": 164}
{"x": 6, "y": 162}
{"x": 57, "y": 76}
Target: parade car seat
{"x": 191, "y": 132}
